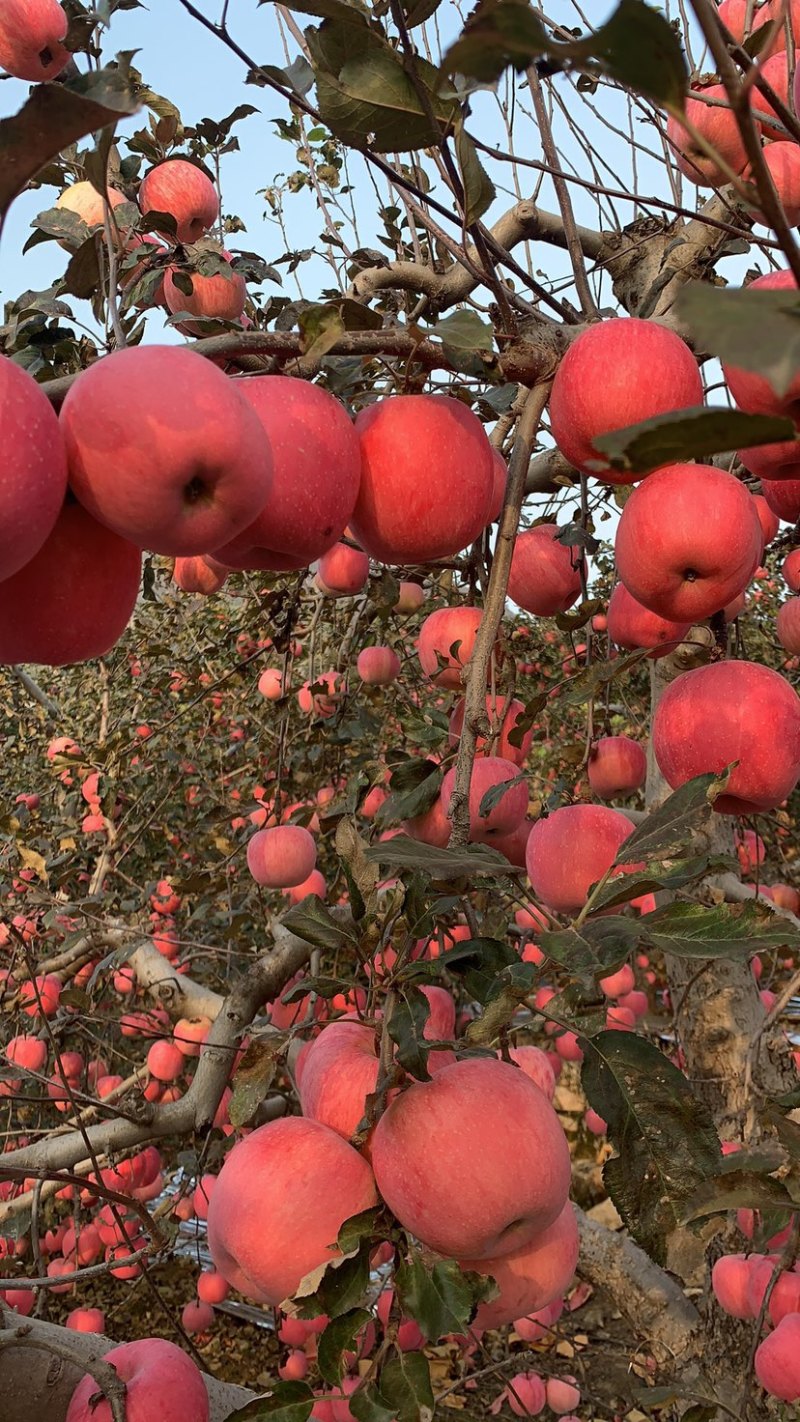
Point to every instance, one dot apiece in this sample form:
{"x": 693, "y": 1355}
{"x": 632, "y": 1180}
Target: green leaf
{"x": 590, "y": 682}
{"x": 418, "y": 11}
{"x": 321, "y": 328}
{"x": 367, "y": 1405}
{"x": 498, "y": 33}
{"x": 328, "y": 10}
{"x": 595, "y": 949}
{"x": 667, "y": 830}
{"x": 288, "y": 1402}
{"x": 336, "y": 1340}
{"x": 405, "y": 1382}
{"x": 401, "y": 852}
{"x": 724, "y": 931}
{"x": 757, "y": 330}
{"x": 314, "y": 923}
{"x": 253, "y": 1079}
{"x": 464, "y": 331}
{"x": 55, "y": 116}
{"x": 639, "y": 49}
{"x": 737, "y": 1190}
{"x": 495, "y": 794}
{"x": 406, "y": 1027}
{"x": 341, "y": 1287}
{"x": 679, "y": 875}
{"x": 359, "y": 1228}
{"x": 440, "y": 1298}
{"x": 479, "y": 190}
{"x": 684, "y": 435}
{"x": 365, "y": 95}
{"x": 82, "y": 277}
{"x": 664, "y": 1138}
{"x": 413, "y": 788}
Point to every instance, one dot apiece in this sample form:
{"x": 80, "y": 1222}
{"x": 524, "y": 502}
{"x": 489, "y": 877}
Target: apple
{"x": 783, "y": 497}
{"x": 769, "y": 521}
{"x": 220, "y": 296}
{"x": 531, "y": 1277}
{"x": 411, "y": 598}
{"x": 323, "y": 702}
{"x": 74, "y": 599}
{"x": 431, "y": 827}
{"x": 545, "y": 576}
{"x": 427, "y": 480}
{"x": 199, "y": 575}
{"x": 197, "y": 1317}
{"x": 343, "y": 571}
{"x": 733, "y": 15}
{"x": 777, "y": 1360}
{"x": 783, "y": 162}
{"x": 751, "y": 391}
{"x": 562, "y": 1395}
{"x": 503, "y": 718}
{"x": 281, "y": 1198}
{"x": 84, "y": 200}
{"x": 525, "y": 1394}
{"x": 617, "y": 766}
{"x": 160, "y": 1379}
{"x": 688, "y": 541}
{"x": 184, "y": 191}
{"x": 86, "y": 1320}
{"x": 483, "y": 1123}
{"x": 165, "y": 1061}
{"x": 34, "y": 467}
{"x": 775, "y": 70}
{"x": 787, "y": 625}
{"x": 731, "y": 711}
{"x": 716, "y": 122}
{"x": 317, "y": 473}
{"x": 211, "y": 1287}
{"x": 572, "y": 849}
{"x": 163, "y": 450}
{"x": 281, "y": 858}
{"x": 31, "y": 32}
{"x": 791, "y": 570}
{"x": 771, "y": 11}
{"x": 446, "y": 643}
{"x": 340, "y": 1069}
{"x": 378, "y": 666}
{"x": 616, "y": 373}
{"x": 503, "y": 817}
{"x": 514, "y": 845}
{"x": 536, "y": 1064}
{"x": 631, "y": 626}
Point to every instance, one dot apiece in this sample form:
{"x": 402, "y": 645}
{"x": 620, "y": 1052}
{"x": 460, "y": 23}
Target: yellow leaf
{"x": 34, "y": 861}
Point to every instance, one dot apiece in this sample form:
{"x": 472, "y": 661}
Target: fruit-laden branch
{"x": 522, "y": 223}
{"x": 61, "y": 1345}
{"x": 524, "y": 361}
{"x": 196, "y": 1110}
{"x": 31, "y": 1394}
{"x": 494, "y": 607}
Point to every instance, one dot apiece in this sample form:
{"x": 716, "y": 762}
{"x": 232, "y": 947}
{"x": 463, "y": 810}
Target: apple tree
{"x": 399, "y": 857}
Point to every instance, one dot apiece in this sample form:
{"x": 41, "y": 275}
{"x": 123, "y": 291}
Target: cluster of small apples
{"x": 712, "y": 118}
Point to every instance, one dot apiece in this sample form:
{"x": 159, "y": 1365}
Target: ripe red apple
{"x": 632, "y": 626}
{"x": 161, "y": 1382}
{"x": 531, "y": 1277}
{"x": 614, "y": 374}
{"x": 446, "y": 643}
{"x": 317, "y": 472}
{"x": 769, "y": 521}
{"x": 771, "y": 11}
{"x": 717, "y": 124}
{"x": 791, "y": 570}
{"x": 545, "y": 575}
{"x": 280, "y": 1200}
{"x": 86, "y": 1320}
{"x": 775, "y": 70}
{"x": 571, "y": 850}
{"x": 31, "y": 32}
{"x": 340, "y": 1069}
{"x": 787, "y": 625}
{"x": 270, "y": 684}
{"x": 432, "y": 827}
{"x": 34, "y": 478}
{"x": 84, "y": 200}
{"x": 378, "y": 666}
{"x": 199, "y": 575}
{"x": 783, "y": 497}
{"x": 504, "y": 817}
{"x": 321, "y": 703}
{"x": 688, "y": 541}
{"x": 751, "y": 391}
{"x": 281, "y": 858}
{"x": 733, "y": 15}
{"x": 777, "y": 1360}
{"x": 411, "y": 598}
{"x": 483, "y": 1123}
{"x": 163, "y": 450}
{"x": 220, "y": 296}
{"x": 343, "y": 571}
{"x": 783, "y": 162}
{"x": 184, "y": 191}
{"x": 74, "y": 599}
{"x": 731, "y": 711}
{"x": 536, "y": 1064}
{"x": 617, "y": 766}
{"x": 427, "y": 478}
{"x": 503, "y": 720}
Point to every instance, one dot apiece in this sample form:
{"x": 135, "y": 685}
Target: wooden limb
{"x": 35, "y": 691}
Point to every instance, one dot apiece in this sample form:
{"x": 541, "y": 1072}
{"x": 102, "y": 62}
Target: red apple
{"x": 280, "y": 1200}
{"x": 183, "y": 191}
{"x": 783, "y": 162}
{"x": 731, "y": 711}
{"x": 378, "y": 666}
{"x": 632, "y": 626}
{"x": 787, "y": 625}
{"x": 84, "y": 200}
{"x": 317, "y": 472}
{"x": 446, "y": 643}
{"x": 283, "y": 857}
{"x": 411, "y": 598}
{"x": 503, "y": 817}
{"x": 427, "y": 478}
{"x": 34, "y": 478}
{"x": 483, "y": 1123}
{"x": 688, "y": 541}
{"x": 340, "y": 1069}
{"x": 199, "y": 575}
{"x": 531, "y": 1277}
{"x": 343, "y": 571}
{"x": 572, "y": 849}
{"x": 503, "y": 720}
{"x": 791, "y": 569}
{"x": 717, "y": 123}
{"x": 769, "y": 521}
{"x": 220, "y": 296}
{"x": 545, "y": 575}
{"x": 777, "y": 1360}
{"x": 74, "y": 599}
{"x": 31, "y": 32}
{"x": 617, "y": 766}
{"x": 161, "y": 1381}
{"x": 614, "y": 374}
{"x": 783, "y": 497}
